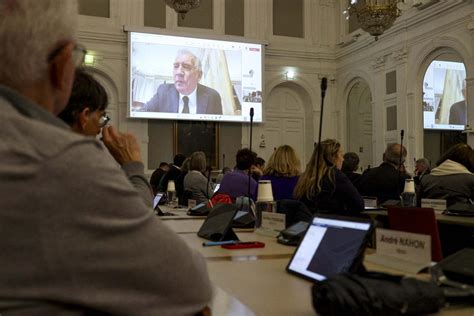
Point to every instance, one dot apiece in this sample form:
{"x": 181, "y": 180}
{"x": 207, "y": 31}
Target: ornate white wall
{"x": 325, "y": 50}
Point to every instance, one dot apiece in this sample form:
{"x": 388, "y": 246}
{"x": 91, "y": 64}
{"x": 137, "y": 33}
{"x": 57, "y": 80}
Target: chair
{"x": 419, "y": 221}
{"x": 295, "y": 211}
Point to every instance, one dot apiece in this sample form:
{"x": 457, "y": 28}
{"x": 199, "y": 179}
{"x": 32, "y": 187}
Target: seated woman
{"x": 195, "y": 181}
{"x": 453, "y": 179}
{"x": 327, "y": 189}
{"x": 283, "y": 170}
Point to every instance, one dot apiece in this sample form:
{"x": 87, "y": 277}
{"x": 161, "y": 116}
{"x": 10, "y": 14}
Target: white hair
{"x": 29, "y": 31}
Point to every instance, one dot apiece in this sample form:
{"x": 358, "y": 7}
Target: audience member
{"x": 422, "y": 167}
{"x": 222, "y": 174}
{"x": 387, "y": 181}
{"x": 333, "y": 192}
{"x": 452, "y": 179}
{"x": 350, "y": 166}
{"x": 257, "y": 168}
{"x": 173, "y": 172}
{"x": 195, "y": 181}
{"x": 179, "y": 183}
{"x": 283, "y": 170}
{"x": 236, "y": 183}
{"x": 85, "y": 113}
{"x": 157, "y": 175}
{"x": 97, "y": 251}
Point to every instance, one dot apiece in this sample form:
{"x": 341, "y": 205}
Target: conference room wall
{"x": 312, "y": 57}
{"x": 417, "y": 37}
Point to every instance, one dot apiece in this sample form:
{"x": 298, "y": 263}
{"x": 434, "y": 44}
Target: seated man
{"x": 186, "y": 95}
{"x": 236, "y": 183}
{"x": 386, "y": 181}
{"x": 77, "y": 237}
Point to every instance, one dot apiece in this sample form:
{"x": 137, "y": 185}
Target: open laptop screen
{"x": 330, "y": 246}
{"x": 157, "y": 199}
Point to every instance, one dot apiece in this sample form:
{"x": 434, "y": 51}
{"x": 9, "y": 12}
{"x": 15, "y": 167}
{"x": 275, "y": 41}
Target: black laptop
{"x": 331, "y": 245}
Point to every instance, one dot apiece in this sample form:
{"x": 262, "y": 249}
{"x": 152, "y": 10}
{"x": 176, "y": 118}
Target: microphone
{"x": 250, "y": 147}
{"x": 324, "y": 86}
{"x": 402, "y": 133}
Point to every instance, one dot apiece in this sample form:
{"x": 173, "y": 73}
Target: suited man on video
{"x": 458, "y": 111}
{"x": 186, "y": 95}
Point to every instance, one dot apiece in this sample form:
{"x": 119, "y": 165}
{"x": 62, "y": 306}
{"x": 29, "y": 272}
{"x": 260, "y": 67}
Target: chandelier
{"x": 183, "y": 6}
{"x": 374, "y": 16}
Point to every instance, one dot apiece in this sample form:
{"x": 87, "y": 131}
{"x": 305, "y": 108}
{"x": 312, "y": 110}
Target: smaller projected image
{"x": 252, "y": 96}
{"x": 444, "y": 96}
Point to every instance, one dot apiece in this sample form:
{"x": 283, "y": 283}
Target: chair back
{"x": 295, "y": 211}
{"x": 417, "y": 220}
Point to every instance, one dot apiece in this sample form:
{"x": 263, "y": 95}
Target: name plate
{"x": 273, "y": 221}
{"x": 405, "y": 246}
{"x": 438, "y": 205}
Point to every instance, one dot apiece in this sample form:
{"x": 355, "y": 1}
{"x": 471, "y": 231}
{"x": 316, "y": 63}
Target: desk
{"x": 455, "y": 232}
{"x": 256, "y": 278}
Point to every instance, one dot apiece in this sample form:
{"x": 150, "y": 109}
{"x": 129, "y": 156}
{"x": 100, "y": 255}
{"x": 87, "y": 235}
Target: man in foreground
{"x": 77, "y": 236}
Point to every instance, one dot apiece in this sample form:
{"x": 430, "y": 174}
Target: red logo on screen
{"x": 254, "y": 49}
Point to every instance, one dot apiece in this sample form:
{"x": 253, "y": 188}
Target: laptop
{"x": 157, "y": 199}
{"x": 331, "y": 245}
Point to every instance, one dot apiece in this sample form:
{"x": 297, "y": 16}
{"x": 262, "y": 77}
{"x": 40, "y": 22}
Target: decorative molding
{"x": 401, "y": 55}
{"x": 379, "y": 62}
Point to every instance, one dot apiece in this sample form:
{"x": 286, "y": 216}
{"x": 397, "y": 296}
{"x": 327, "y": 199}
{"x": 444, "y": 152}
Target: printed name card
{"x": 272, "y": 224}
{"x": 438, "y": 205}
{"x": 401, "y": 250}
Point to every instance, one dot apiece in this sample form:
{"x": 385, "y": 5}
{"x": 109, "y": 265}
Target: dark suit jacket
{"x": 166, "y": 99}
{"x": 457, "y": 113}
{"x": 382, "y": 182}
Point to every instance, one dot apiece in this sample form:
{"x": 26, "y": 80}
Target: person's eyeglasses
{"x": 104, "y": 119}
{"x": 78, "y": 54}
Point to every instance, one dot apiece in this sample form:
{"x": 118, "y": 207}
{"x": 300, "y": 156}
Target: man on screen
{"x": 457, "y": 112}
{"x": 186, "y": 95}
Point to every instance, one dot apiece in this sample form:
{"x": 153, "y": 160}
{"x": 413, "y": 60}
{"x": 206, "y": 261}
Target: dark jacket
{"x": 166, "y": 99}
{"x": 383, "y": 182}
{"x": 340, "y": 197}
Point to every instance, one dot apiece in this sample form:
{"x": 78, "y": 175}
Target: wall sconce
{"x": 289, "y": 75}
{"x": 89, "y": 59}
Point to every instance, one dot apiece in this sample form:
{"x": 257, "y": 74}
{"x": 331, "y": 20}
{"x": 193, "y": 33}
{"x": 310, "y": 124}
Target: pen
{"x": 218, "y": 243}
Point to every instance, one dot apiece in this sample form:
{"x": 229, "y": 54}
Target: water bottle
{"x": 408, "y": 196}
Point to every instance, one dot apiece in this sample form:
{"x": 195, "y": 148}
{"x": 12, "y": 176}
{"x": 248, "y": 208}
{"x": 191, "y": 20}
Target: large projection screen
{"x": 188, "y": 78}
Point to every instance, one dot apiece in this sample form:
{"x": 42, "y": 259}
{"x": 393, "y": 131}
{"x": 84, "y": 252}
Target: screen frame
{"x": 333, "y": 217}
{"x": 226, "y": 38}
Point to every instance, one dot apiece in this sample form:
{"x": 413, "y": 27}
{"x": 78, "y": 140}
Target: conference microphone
{"x": 402, "y": 133}
{"x": 250, "y": 147}
{"x": 324, "y": 86}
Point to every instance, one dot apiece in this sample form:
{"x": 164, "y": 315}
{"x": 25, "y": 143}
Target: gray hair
{"x": 29, "y": 31}
{"x": 197, "y": 61}
{"x": 392, "y": 154}
{"x": 424, "y": 162}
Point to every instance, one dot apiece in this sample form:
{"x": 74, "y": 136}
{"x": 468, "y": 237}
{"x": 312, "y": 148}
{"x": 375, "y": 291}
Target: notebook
{"x": 331, "y": 245}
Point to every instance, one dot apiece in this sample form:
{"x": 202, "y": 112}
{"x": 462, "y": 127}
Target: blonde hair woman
{"x": 326, "y": 188}
{"x": 283, "y": 169}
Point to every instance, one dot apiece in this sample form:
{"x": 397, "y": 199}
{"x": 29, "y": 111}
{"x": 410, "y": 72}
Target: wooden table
{"x": 254, "y": 281}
